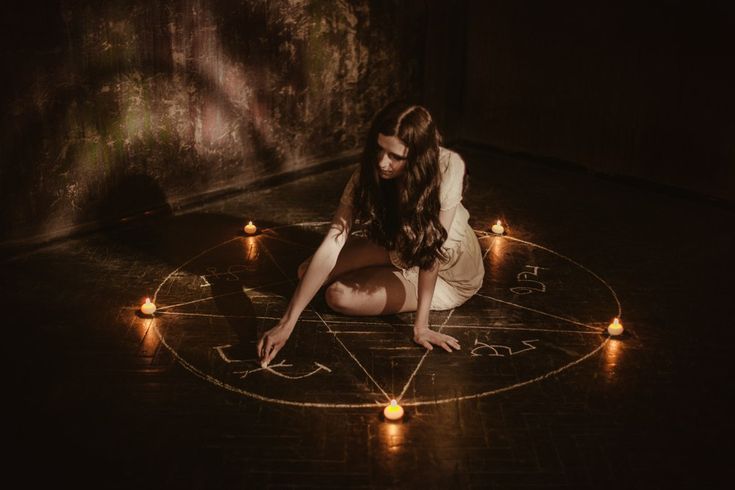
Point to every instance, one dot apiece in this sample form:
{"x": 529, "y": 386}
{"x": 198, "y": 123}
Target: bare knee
{"x": 338, "y": 297}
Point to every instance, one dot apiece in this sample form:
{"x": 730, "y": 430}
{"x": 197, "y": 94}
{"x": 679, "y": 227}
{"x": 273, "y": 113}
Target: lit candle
{"x": 250, "y": 228}
{"x": 615, "y": 328}
{"x": 393, "y": 411}
{"x": 497, "y": 228}
{"x": 147, "y": 308}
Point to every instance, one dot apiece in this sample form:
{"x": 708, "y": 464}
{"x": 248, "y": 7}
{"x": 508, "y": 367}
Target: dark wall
{"x": 633, "y": 88}
{"x": 113, "y": 108}
{"x": 444, "y": 65}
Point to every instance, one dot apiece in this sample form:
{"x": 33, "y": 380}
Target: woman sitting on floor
{"x": 419, "y": 252}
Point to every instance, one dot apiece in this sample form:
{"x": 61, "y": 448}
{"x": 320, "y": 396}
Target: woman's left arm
{"x": 422, "y": 334}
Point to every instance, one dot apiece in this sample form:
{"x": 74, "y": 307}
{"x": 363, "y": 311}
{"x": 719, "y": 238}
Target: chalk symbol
{"x": 231, "y": 274}
{"x": 531, "y": 285}
{"x": 243, "y": 374}
{"x": 270, "y": 369}
{"x": 496, "y": 348}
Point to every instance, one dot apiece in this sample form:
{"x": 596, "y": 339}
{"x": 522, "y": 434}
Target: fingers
{"x": 449, "y": 340}
{"x": 264, "y": 354}
{"x": 271, "y": 354}
{"x": 259, "y": 348}
{"x": 446, "y": 342}
{"x": 267, "y": 350}
{"x": 264, "y": 349}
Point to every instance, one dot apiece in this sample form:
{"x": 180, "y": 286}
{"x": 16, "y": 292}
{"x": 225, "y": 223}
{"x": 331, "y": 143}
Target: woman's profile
{"x": 418, "y": 253}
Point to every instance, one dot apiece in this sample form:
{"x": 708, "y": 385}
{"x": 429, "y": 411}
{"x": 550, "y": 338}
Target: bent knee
{"x": 339, "y": 297}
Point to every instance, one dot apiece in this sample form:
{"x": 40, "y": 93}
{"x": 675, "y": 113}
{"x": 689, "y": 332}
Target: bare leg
{"x": 366, "y": 282}
{"x": 357, "y": 253}
{"x": 371, "y": 291}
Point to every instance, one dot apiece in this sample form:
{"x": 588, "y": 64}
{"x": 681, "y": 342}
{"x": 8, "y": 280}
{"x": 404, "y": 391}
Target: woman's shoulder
{"x": 450, "y": 161}
{"x": 452, "y": 166}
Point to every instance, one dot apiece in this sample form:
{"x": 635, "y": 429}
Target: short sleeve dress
{"x": 461, "y": 277}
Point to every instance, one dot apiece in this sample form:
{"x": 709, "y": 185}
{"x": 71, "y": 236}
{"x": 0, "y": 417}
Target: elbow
{"x": 340, "y": 239}
{"x": 334, "y": 242}
{"x": 337, "y": 235}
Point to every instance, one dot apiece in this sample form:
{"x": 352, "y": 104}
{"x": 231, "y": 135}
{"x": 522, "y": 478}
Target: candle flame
{"x": 393, "y": 411}
{"x": 394, "y": 406}
{"x": 147, "y": 300}
{"x": 498, "y": 222}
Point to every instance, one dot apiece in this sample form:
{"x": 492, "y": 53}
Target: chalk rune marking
{"x": 495, "y": 348}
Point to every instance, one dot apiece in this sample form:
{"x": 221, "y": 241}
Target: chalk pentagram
{"x": 521, "y": 327}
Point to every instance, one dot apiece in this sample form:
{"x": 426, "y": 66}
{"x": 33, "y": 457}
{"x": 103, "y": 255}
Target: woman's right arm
{"x": 322, "y": 263}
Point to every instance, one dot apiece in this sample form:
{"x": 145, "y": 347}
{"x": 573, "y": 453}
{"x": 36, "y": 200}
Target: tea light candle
{"x": 497, "y": 228}
{"x": 147, "y": 308}
{"x": 615, "y": 328}
{"x": 250, "y": 228}
{"x": 393, "y": 411}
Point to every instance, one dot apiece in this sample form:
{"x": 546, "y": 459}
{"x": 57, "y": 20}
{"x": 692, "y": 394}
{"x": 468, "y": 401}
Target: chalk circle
{"x": 537, "y": 314}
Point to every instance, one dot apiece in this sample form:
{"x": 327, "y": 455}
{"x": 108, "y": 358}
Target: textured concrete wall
{"x": 641, "y": 89}
{"x": 117, "y": 107}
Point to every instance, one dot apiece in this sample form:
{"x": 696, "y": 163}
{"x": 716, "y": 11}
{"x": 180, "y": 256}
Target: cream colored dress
{"x": 461, "y": 277}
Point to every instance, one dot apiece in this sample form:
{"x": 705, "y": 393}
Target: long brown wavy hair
{"x": 402, "y": 214}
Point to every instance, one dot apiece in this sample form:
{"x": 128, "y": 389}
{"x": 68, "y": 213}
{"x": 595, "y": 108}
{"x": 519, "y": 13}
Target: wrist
{"x": 420, "y": 327}
{"x": 288, "y": 323}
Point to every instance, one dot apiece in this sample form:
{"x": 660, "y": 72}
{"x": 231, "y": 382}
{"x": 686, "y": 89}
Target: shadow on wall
{"x": 127, "y": 99}
{"x": 125, "y": 198}
{"x": 198, "y": 97}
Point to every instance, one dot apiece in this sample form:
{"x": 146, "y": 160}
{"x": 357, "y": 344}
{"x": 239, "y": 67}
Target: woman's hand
{"x": 425, "y": 337}
{"x": 272, "y": 341}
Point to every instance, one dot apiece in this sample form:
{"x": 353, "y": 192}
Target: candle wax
{"x": 147, "y": 308}
{"x": 393, "y": 411}
{"x": 250, "y": 228}
{"x": 615, "y": 328}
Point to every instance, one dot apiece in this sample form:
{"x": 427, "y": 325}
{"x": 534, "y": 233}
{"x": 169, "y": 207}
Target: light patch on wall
{"x": 192, "y": 98}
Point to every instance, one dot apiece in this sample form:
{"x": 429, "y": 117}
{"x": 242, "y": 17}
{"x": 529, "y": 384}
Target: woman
{"x": 419, "y": 253}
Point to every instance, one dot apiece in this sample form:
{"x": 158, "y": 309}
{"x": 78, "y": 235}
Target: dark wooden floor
{"x": 538, "y": 397}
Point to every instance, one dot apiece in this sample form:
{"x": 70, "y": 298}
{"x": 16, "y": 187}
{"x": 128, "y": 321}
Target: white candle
{"x": 497, "y": 228}
{"x": 250, "y": 228}
{"x": 393, "y": 411}
{"x": 615, "y": 328}
{"x": 147, "y": 308}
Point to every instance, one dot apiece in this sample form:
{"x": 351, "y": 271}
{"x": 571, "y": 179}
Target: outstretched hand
{"x": 271, "y": 342}
{"x": 426, "y": 337}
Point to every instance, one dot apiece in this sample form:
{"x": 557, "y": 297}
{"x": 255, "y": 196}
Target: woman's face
{"x": 392, "y": 156}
